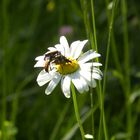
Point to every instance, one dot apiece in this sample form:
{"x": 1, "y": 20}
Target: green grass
{"x": 110, "y": 111}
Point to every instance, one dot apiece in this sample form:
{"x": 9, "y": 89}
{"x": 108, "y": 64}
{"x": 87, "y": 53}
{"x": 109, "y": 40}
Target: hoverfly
{"x": 54, "y": 57}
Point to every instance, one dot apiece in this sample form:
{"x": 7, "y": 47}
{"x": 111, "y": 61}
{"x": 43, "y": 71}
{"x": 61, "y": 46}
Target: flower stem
{"x": 127, "y": 81}
{"x": 77, "y": 111}
{"x": 106, "y": 64}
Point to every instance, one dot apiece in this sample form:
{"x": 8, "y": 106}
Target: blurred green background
{"x": 27, "y": 28}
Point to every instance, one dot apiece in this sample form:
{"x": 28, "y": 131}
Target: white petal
{"x": 65, "y": 85}
{"x": 88, "y": 56}
{"x": 86, "y": 67}
{"x": 88, "y": 136}
{"x": 87, "y": 76}
{"x": 79, "y": 82}
{"x": 73, "y": 48}
{"x": 60, "y": 48}
{"x": 64, "y": 43}
{"x": 85, "y": 84}
{"x": 39, "y": 58}
{"x": 43, "y": 78}
{"x": 52, "y": 49}
{"x": 96, "y": 76}
{"x": 53, "y": 83}
{"x": 78, "y": 85}
{"x": 90, "y": 82}
{"x": 98, "y": 71}
{"x": 90, "y": 65}
{"x": 96, "y": 64}
{"x": 78, "y": 49}
{"x": 40, "y": 63}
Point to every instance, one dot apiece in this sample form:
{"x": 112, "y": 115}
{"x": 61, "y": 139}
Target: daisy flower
{"x": 66, "y": 64}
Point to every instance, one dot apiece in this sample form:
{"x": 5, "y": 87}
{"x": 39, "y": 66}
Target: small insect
{"x": 54, "y": 57}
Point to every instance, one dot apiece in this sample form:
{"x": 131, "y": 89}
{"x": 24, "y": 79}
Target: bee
{"x": 54, "y": 57}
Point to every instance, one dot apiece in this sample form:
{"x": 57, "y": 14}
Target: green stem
{"x": 127, "y": 68}
{"x": 106, "y": 62}
{"x": 113, "y": 42}
{"x": 84, "y": 5}
{"x": 108, "y": 45}
{"x": 92, "y": 113}
{"x": 93, "y": 45}
{"x": 86, "y": 21}
{"x": 101, "y": 102}
{"x": 101, "y": 98}
{"x": 77, "y": 111}
{"x": 94, "y": 26}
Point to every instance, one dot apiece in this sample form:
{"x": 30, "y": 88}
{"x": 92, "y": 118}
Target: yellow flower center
{"x": 67, "y": 67}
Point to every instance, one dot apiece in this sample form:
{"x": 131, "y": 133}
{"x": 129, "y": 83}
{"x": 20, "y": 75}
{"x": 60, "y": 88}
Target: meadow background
{"x": 27, "y": 28}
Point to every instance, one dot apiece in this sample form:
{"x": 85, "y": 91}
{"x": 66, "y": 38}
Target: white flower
{"x": 74, "y": 67}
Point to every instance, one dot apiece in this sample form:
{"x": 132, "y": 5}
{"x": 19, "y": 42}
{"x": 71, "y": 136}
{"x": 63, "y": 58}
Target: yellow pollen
{"x": 67, "y": 67}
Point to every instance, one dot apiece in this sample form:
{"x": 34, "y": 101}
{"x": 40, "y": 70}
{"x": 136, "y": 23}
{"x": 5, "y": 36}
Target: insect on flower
{"x": 67, "y": 64}
{"x": 54, "y": 57}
